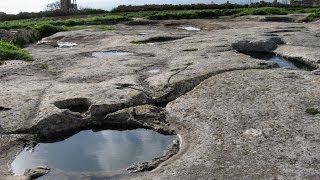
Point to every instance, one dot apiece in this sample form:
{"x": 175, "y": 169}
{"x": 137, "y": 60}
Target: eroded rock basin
{"x": 93, "y": 152}
{"x": 280, "y": 61}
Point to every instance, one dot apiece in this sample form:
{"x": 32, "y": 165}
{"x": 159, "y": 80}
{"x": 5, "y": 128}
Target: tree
{"x": 53, "y": 6}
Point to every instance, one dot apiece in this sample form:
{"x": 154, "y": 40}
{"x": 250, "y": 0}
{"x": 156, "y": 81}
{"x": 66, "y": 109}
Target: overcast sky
{"x": 16, "y": 6}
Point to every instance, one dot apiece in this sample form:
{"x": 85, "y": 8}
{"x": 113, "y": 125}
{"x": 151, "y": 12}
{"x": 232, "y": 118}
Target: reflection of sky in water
{"x": 101, "y": 151}
{"x": 283, "y": 63}
{"x": 110, "y": 54}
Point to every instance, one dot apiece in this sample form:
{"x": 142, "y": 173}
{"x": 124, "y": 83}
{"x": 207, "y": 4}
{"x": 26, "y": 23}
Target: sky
{"x": 16, "y": 6}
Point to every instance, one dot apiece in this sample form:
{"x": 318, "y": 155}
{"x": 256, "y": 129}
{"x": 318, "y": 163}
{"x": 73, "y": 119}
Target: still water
{"x": 88, "y": 151}
{"x": 108, "y": 54}
{"x": 281, "y": 62}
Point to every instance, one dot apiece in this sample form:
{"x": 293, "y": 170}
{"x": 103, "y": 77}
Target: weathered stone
{"x": 37, "y": 172}
{"x": 238, "y": 118}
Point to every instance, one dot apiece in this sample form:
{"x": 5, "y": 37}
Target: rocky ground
{"x": 238, "y": 117}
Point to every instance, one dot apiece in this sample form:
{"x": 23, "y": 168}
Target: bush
{"x": 46, "y": 30}
{"x": 193, "y": 14}
{"x": 263, "y": 11}
{"x": 313, "y": 17}
{"x": 10, "y": 52}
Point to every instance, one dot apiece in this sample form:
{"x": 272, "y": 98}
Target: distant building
{"x": 305, "y": 2}
{"x": 67, "y": 5}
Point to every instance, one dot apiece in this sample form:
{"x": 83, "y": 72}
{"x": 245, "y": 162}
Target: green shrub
{"x": 263, "y": 11}
{"x": 46, "y": 30}
{"x": 313, "y": 17}
{"x": 103, "y": 28}
{"x": 10, "y": 52}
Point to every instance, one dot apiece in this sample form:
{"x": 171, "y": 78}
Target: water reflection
{"x": 189, "y": 28}
{"x": 87, "y": 151}
{"x": 280, "y": 61}
{"x": 109, "y": 54}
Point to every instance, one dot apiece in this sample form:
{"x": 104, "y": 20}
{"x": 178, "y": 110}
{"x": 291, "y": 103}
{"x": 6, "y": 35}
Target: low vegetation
{"x": 173, "y": 7}
{"x": 9, "y": 51}
{"x": 215, "y": 13}
{"x": 313, "y": 16}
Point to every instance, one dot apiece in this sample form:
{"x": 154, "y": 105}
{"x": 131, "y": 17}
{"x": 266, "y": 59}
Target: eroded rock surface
{"x": 237, "y": 116}
{"x": 248, "y": 124}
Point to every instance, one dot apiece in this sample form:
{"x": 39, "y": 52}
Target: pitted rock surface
{"x": 238, "y": 118}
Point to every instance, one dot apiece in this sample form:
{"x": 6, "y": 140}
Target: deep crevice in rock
{"x": 4, "y": 108}
{"x": 157, "y": 39}
{"x": 80, "y": 105}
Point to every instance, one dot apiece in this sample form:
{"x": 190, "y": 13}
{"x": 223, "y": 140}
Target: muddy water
{"x": 87, "y": 151}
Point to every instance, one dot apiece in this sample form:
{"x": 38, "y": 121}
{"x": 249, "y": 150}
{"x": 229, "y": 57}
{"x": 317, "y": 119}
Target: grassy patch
{"x": 102, "y": 28}
{"x": 193, "y": 14}
{"x": 46, "y": 30}
{"x": 215, "y": 13}
{"x": 95, "y": 27}
{"x": 96, "y": 20}
{"x": 313, "y": 16}
{"x": 263, "y": 11}
{"x": 10, "y": 52}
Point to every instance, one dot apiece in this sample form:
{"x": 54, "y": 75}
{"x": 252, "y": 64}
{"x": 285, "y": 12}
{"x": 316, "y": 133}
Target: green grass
{"x": 96, "y": 20}
{"x": 215, "y": 13}
{"x": 263, "y": 11}
{"x": 313, "y": 16}
{"x": 102, "y": 28}
{"x": 11, "y": 52}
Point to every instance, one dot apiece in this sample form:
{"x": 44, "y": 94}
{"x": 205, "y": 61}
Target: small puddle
{"x": 66, "y": 44}
{"x": 143, "y": 34}
{"x": 189, "y": 28}
{"x": 88, "y": 151}
{"x": 280, "y": 61}
{"x": 154, "y": 71}
{"x": 108, "y": 54}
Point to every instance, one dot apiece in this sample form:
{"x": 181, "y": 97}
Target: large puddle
{"x": 88, "y": 151}
{"x": 280, "y": 61}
